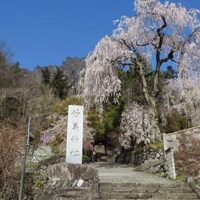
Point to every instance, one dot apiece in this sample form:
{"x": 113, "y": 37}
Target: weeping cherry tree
{"x": 183, "y": 95}
{"x": 158, "y": 35}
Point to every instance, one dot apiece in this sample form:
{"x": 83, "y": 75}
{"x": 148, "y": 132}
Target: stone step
{"x": 149, "y": 199}
{"x": 173, "y": 191}
{"x": 78, "y": 198}
{"x": 73, "y": 193}
{"x": 166, "y": 185}
{"x": 167, "y": 195}
{"x": 184, "y": 188}
{"x": 145, "y": 189}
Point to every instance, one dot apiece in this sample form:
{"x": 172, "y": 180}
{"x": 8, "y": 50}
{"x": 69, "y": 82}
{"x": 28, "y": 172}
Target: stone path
{"x": 126, "y": 174}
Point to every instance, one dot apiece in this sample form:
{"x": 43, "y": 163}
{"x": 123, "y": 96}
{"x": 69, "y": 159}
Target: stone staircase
{"x": 124, "y": 182}
{"x": 125, "y": 191}
{"x": 116, "y": 191}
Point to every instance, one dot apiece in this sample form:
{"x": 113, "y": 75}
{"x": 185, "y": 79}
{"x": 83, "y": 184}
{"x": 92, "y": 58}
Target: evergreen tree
{"x": 59, "y": 84}
{"x": 45, "y": 76}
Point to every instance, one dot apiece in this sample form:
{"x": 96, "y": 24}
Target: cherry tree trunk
{"x": 151, "y": 102}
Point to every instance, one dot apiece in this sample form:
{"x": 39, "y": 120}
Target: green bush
{"x": 109, "y": 122}
{"x": 39, "y": 184}
{"x": 61, "y": 107}
{"x": 181, "y": 178}
{"x": 154, "y": 146}
{"x": 176, "y": 122}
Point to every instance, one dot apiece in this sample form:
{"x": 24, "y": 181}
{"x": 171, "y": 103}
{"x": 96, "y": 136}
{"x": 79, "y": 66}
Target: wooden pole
{"x": 23, "y": 164}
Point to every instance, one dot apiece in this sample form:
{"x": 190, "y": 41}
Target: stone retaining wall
{"x": 171, "y": 139}
{"x": 67, "y": 181}
{"x": 171, "y": 144}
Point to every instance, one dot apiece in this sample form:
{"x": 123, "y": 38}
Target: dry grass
{"x": 188, "y": 156}
{"x": 10, "y": 145}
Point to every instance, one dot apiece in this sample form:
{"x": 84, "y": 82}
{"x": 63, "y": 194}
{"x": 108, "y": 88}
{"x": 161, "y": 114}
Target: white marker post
{"x": 74, "y": 150}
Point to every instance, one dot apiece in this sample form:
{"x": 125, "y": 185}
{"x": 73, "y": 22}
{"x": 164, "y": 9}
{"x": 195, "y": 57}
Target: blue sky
{"x": 42, "y": 32}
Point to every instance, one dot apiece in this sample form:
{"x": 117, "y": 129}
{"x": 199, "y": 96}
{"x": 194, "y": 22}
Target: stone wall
{"x": 65, "y": 181}
{"x": 171, "y": 144}
{"x": 171, "y": 139}
{"x": 143, "y": 158}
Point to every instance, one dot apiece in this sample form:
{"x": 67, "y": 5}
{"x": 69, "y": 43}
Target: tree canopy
{"x": 158, "y": 35}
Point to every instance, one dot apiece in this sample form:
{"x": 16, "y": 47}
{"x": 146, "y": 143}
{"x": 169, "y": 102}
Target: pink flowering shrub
{"x": 135, "y": 127}
{"x": 45, "y": 138}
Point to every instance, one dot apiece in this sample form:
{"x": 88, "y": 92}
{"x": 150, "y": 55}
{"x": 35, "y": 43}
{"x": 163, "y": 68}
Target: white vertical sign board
{"x": 74, "y": 135}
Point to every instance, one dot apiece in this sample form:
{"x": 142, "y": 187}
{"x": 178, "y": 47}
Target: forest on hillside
{"x": 139, "y": 82}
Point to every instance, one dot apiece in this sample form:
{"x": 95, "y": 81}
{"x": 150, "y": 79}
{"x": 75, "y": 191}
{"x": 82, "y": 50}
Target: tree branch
{"x": 159, "y": 30}
{"x": 124, "y": 42}
{"x": 187, "y": 40}
{"x": 170, "y": 56}
{"x": 158, "y": 52}
{"x": 142, "y": 45}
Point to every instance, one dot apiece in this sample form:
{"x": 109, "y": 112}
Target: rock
{"x": 84, "y": 171}
{"x": 72, "y": 68}
{"x": 100, "y": 149}
{"x": 189, "y": 179}
{"x": 89, "y": 174}
{"x": 59, "y": 172}
{"x": 138, "y": 157}
{"x": 69, "y": 180}
{"x": 103, "y": 159}
{"x": 75, "y": 183}
{"x": 70, "y": 172}
{"x": 80, "y": 182}
{"x": 41, "y": 153}
{"x": 44, "y": 196}
{"x": 83, "y": 168}
{"x": 150, "y": 164}
{"x": 74, "y": 171}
